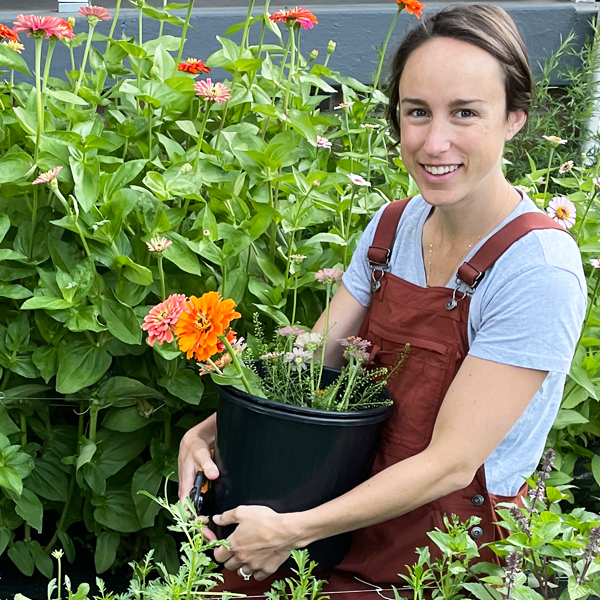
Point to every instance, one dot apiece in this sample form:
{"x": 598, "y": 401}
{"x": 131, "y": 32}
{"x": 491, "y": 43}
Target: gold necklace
{"x": 428, "y": 272}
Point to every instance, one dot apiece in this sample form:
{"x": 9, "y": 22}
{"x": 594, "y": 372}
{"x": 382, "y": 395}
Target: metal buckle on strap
{"x": 475, "y": 280}
{"x": 380, "y": 265}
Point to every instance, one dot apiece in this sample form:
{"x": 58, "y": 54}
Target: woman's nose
{"x": 437, "y": 139}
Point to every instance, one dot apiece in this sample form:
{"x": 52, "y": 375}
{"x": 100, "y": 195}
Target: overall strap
{"x": 471, "y": 272}
{"x": 380, "y": 250}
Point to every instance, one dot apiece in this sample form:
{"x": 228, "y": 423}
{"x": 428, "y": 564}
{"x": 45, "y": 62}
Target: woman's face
{"x": 453, "y": 118}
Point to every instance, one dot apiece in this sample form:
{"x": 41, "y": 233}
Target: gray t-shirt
{"x": 526, "y": 312}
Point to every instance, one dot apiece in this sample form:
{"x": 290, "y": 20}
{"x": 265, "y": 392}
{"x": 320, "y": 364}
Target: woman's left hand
{"x": 262, "y": 541}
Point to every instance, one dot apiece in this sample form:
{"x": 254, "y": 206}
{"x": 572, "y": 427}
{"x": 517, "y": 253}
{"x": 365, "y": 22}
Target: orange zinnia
{"x": 202, "y": 322}
{"x": 413, "y": 7}
{"x": 296, "y": 15}
{"x": 193, "y": 66}
{"x": 8, "y": 33}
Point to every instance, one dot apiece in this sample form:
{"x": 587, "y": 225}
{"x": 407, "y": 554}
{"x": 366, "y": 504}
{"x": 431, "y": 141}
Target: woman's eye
{"x": 466, "y": 110}
{"x": 413, "y": 113}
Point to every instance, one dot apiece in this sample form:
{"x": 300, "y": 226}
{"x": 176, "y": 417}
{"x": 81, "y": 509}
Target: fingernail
{"x": 216, "y": 519}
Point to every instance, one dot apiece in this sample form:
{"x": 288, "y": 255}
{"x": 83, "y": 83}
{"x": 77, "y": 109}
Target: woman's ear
{"x": 514, "y": 123}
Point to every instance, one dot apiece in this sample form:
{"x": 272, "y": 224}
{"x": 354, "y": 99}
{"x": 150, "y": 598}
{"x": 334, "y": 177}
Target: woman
{"x": 492, "y": 326}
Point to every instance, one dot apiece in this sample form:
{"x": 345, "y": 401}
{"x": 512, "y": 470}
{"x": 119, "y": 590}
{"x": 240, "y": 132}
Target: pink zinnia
{"x": 208, "y": 90}
{"x": 329, "y": 275}
{"x": 48, "y": 176}
{"x": 358, "y": 180}
{"x": 595, "y": 262}
{"x": 42, "y": 26}
{"x": 97, "y": 12}
{"x": 161, "y": 317}
{"x": 323, "y": 142}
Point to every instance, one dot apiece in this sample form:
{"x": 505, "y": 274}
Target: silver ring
{"x": 246, "y": 576}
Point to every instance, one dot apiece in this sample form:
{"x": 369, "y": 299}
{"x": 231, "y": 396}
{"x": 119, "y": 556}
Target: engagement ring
{"x": 241, "y": 573}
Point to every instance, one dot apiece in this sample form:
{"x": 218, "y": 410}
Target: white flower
{"x": 565, "y": 167}
{"x": 298, "y": 358}
{"x": 309, "y": 341}
{"x": 343, "y": 105}
{"x": 563, "y": 211}
{"x": 158, "y": 244}
{"x": 555, "y": 140}
{"x": 595, "y": 262}
{"x": 358, "y": 180}
{"x": 323, "y": 142}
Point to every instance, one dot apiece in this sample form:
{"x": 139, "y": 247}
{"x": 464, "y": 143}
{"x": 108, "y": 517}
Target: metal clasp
{"x": 453, "y": 302}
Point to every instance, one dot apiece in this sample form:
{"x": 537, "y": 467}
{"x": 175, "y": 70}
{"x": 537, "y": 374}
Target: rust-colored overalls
{"x": 434, "y": 321}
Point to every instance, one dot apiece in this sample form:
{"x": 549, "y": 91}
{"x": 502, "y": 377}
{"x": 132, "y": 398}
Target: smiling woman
{"x": 466, "y": 272}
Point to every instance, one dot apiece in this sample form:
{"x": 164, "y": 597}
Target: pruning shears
{"x": 198, "y": 490}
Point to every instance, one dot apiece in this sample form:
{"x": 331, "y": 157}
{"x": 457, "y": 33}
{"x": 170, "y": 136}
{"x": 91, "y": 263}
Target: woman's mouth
{"x": 439, "y": 173}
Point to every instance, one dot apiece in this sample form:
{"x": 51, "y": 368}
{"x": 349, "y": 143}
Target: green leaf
{"x": 125, "y": 420}
{"x": 65, "y": 96}
{"x": 5, "y": 535}
{"x": 119, "y": 448}
{"x": 7, "y": 425}
{"x": 331, "y": 238}
{"x": 10, "y": 479}
{"x": 14, "y": 291}
{"x": 120, "y": 388}
{"x": 86, "y": 176}
{"x": 123, "y": 175}
{"x": 596, "y": 468}
{"x": 86, "y": 453}
{"x": 236, "y": 284}
{"x": 117, "y": 511}
{"x": 12, "y": 60}
{"x": 148, "y": 477}
{"x": 47, "y": 302}
{"x": 80, "y": 365}
{"x": 179, "y": 254}
{"x": 132, "y": 271}
{"x": 29, "y": 507}
{"x": 121, "y": 321}
{"x": 185, "y": 384}
{"x": 14, "y": 167}
{"x": 568, "y": 417}
{"x": 187, "y": 127}
{"x": 22, "y": 558}
{"x": 93, "y": 477}
{"x": 42, "y": 561}
{"x": 67, "y": 544}
{"x": 45, "y": 358}
{"x": 270, "y": 270}
{"x": 107, "y": 545}
{"x": 48, "y": 480}
{"x": 301, "y": 122}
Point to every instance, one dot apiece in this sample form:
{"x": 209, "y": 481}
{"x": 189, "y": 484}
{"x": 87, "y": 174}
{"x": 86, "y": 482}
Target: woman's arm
{"x": 483, "y": 403}
{"x": 346, "y": 315}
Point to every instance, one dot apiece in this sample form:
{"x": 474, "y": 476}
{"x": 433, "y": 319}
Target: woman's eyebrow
{"x": 457, "y": 102}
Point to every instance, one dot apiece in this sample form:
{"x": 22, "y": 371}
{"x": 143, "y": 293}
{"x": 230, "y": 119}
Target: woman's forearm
{"x": 395, "y": 491}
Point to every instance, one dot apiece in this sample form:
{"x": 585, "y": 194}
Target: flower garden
{"x": 145, "y": 181}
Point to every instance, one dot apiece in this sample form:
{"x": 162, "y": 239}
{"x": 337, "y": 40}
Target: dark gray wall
{"x": 357, "y": 28}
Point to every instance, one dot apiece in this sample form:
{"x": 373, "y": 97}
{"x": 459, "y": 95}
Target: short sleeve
{"x": 357, "y": 277}
{"x": 534, "y": 320}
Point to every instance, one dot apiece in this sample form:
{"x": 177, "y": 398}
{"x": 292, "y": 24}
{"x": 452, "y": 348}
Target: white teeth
{"x": 441, "y": 170}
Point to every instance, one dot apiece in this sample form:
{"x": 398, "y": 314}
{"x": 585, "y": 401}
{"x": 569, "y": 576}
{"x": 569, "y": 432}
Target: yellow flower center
{"x": 202, "y": 323}
{"x": 562, "y": 212}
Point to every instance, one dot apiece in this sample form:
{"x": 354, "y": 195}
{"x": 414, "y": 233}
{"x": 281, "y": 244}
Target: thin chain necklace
{"x": 428, "y": 272}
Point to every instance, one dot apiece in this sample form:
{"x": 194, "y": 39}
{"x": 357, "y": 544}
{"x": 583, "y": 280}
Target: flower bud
{"x": 186, "y": 169}
{"x": 331, "y": 47}
{"x": 313, "y": 55}
{"x": 154, "y": 72}
{"x": 71, "y": 21}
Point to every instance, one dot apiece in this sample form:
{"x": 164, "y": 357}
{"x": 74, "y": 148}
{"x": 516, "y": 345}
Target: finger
{"x": 229, "y": 517}
{"x": 260, "y": 575}
{"x": 233, "y": 564}
{"x": 209, "y": 534}
{"x": 187, "y": 473}
{"x": 205, "y": 462}
{"x": 222, "y": 555}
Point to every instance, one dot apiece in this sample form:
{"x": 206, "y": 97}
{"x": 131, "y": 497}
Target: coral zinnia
{"x": 94, "y": 13}
{"x": 202, "y": 322}
{"x": 193, "y": 66}
{"x": 66, "y": 29}
{"x": 217, "y": 92}
{"x": 162, "y": 317}
{"x": 42, "y": 26}
{"x": 8, "y": 33}
{"x": 303, "y": 17}
{"x": 413, "y": 7}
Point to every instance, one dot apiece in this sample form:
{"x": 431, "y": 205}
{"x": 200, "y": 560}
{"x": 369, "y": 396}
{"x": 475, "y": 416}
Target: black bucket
{"x": 291, "y": 459}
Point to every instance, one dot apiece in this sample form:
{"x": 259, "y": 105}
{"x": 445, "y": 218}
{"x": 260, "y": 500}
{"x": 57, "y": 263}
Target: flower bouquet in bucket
{"x": 291, "y": 433}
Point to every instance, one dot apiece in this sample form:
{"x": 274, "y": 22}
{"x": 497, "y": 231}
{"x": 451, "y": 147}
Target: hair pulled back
{"x": 486, "y": 26}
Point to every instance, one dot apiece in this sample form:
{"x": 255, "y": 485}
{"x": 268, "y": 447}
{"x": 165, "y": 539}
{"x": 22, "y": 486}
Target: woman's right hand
{"x": 195, "y": 454}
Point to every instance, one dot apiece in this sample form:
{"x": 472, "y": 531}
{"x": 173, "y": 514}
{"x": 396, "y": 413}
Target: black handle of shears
{"x": 197, "y": 491}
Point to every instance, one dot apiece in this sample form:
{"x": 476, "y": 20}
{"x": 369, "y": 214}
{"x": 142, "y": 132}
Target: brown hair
{"x": 490, "y": 28}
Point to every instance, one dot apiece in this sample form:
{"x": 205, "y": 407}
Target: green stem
{"x": 348, "y": 227}
{"x": 150, "y": 115}
{"x": 295, "y": 300}
{"x": 247, "y": 25}
{"x": 51, "y": 45}
{"x": 290, "y": 73}
{"x": 162, "y": 23}
{"x": 86, "y": 52}
{"x": 262, "y": 29}
{"x": 80, "y": 421}
{"x": 114, "y": 24}
{"x": 587, "y": 208}
{"x": 23, "y": 426}
{"x": 236, "y": 362}
{"x": 382, "y": 57}
{"x": 289, "y": 260}
{"x": 222, "y": 123}
{"x": 140, "y": 27}
{"x": 40, "y": 130}
{"x": 63, "y": 516}
{"x": 548, "y": 173}
{"x": 184, "y": 32}
{"x": 207, "y": 108}
{"x": 325, "y": 334}
{"x": 72, "y": 55}
{"x": 161, "y": 274}
{"x": 94, "y": 408}
{"x": 214, "y": 366}
{"x": 59, "y": 580}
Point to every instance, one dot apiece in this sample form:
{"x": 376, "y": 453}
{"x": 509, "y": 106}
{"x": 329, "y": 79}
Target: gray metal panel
{"x": 357, "y": 28}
